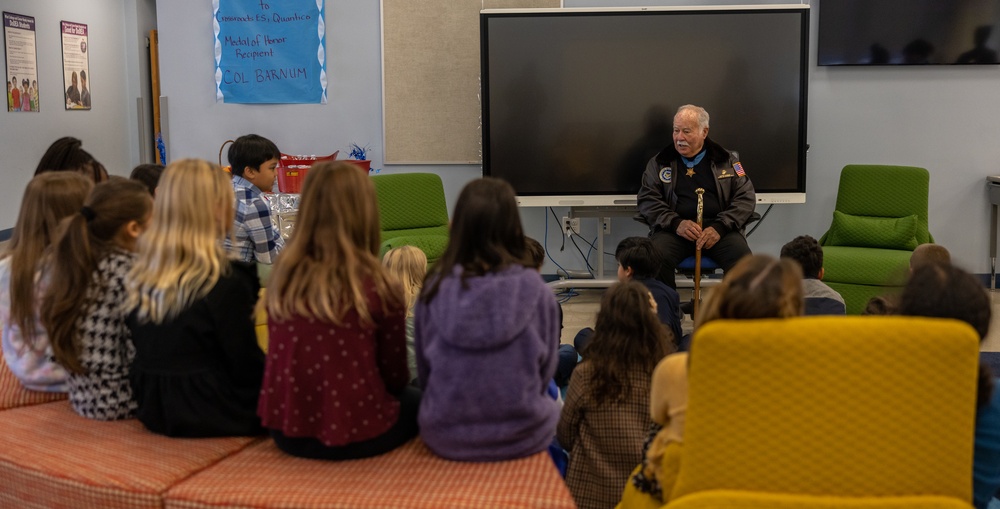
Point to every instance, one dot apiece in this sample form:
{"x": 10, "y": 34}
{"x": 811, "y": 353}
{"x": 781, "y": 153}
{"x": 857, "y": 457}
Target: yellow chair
{"x": 830, "y": 412}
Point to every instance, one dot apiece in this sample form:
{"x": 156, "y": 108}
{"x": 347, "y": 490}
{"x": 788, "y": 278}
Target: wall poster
{"x": 270, "y": 51}
{"x": 22, "y": 63}
{"x": 76, "y": 65}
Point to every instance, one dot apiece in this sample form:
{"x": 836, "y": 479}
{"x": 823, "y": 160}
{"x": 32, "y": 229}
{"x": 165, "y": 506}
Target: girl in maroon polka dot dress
{"x": 336, "y": 381}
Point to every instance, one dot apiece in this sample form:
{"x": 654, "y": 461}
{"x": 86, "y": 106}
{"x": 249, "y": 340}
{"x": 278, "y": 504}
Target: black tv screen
{"x": 908, "y": 32}
{"x": 576, "y": 101}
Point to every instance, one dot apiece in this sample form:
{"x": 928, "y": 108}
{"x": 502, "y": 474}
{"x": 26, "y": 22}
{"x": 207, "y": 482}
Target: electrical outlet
{"x": 571, "y": 225}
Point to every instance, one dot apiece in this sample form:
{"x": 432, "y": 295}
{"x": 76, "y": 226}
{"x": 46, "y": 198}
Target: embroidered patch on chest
{"x": 665, "y": 174}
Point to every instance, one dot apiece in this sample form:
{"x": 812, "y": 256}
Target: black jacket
{"x": 657, "y": 199}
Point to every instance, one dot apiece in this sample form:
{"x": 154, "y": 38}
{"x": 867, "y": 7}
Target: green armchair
{"x": 880, "y": 218}
{"x": 413, "y": 211}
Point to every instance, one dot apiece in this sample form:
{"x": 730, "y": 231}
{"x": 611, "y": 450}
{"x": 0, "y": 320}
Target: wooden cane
{"x": 697, "y": 257}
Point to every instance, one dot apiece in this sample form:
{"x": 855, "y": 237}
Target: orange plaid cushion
{"x": 13, "y": 394}
{"x": 52, "y": 457}
{"x": 412, "y": 477}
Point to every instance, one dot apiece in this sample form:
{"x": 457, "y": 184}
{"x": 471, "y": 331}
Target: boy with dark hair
{"x": 148, "y": 174}
{"x": 638, "y": 259}
{"x": 820, "y": 298}
{"x": 254, "y": 160}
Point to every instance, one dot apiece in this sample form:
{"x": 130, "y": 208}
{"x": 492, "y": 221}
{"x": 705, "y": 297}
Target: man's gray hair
{"x": 698, "y": 110}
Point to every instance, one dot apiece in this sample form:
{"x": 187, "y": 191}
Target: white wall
{"x": 105, "y": 129}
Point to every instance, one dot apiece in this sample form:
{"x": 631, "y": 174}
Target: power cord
{"x": 565, "y": 295}
{"x": 593, "y": 245}
{"x": 545, "y": 242}
{"x": 554, "y": 216}
{"x": 761, "y": 220}
{"x": 586, "y": 259}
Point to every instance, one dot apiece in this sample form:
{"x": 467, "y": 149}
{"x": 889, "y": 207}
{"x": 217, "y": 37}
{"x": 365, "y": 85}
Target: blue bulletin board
{"x": 270, "y": 51}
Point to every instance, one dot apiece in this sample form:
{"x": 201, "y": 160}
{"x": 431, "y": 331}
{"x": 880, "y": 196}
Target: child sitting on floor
{"x": 607, "y": 405}
{"x": 638, "y": 261}
{"x": 929, "y": 253}
{"x": 938, "y": 289}
{"x": 924, "y": 254}
{"x": 820, "y": 298}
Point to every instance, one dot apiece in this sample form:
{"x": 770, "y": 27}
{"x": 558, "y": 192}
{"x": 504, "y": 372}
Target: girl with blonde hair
{"x": 82, "y": 308}
{"x": 409, "y": 265}
{"x": 47, "y": 200}
{"x": 335, "y": 386}
{"x": 758, "y": 286}
{"x": 197, "y": 366}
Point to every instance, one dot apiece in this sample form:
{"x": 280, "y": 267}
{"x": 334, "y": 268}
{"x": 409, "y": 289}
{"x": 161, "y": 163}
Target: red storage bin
{"x": 292, "y": 170}
{"x": 364, "y": 164}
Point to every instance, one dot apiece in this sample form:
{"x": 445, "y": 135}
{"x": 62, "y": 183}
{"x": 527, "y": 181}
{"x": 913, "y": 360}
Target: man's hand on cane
{"x": 708, "y": 238}
{"x": 689, "y": 230}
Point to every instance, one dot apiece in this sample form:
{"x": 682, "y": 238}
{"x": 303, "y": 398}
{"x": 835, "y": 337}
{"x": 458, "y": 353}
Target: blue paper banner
{"x": 270, "y": 51}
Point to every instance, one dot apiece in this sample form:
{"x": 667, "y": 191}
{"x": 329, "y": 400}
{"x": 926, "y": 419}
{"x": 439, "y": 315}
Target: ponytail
{"x": 84, "y": 239}
{"x": 73, "y": 260}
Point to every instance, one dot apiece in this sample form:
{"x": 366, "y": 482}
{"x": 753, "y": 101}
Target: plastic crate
{"x": 363, "y": 164}
{"x": 292, "y": 170}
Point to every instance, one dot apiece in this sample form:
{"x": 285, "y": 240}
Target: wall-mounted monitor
{"x": 908, "y": 32}
{"x": 576, "y": 101}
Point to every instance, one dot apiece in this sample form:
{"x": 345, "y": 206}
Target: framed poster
{"x": 76, "y": 65}
{"x": 270, "y": 51}
{"x": 22, "y": 63}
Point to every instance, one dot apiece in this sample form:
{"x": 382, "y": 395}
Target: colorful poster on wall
{"x": 76, "y": 65}
{"x": 22, "y": 64}
{"x": 270, "y": 51}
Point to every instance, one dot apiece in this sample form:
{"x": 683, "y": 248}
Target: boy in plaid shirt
{"x": 254, "y": 160}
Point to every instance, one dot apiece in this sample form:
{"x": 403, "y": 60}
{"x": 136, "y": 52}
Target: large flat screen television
{"x": 908, "y": 32}
{"x": 576, "y": 101}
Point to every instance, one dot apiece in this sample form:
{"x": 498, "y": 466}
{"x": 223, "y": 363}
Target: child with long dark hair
{"x": 485, "y": 319}
{"x": 47, "y": 200}
{"x": 940, "y": 290}
{"x": 336, "y": 382}
{"x": 83, "y": 307}
{"x": 197, "y": 366}
{"x": 606, "y": 414}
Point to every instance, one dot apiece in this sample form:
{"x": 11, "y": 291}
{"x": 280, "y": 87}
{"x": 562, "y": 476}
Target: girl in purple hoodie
{"x": 484, "y": 320}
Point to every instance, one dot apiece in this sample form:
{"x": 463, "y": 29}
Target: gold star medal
{"x": 690, "y": 172}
